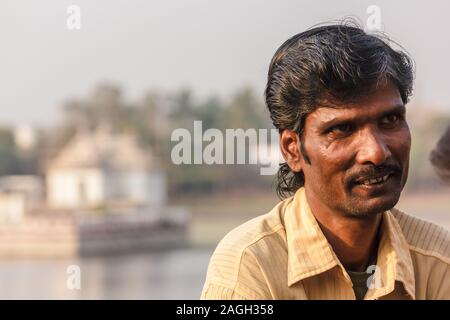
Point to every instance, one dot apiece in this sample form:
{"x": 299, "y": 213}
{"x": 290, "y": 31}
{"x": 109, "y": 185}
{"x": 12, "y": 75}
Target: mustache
{"x": 371, "y": 172}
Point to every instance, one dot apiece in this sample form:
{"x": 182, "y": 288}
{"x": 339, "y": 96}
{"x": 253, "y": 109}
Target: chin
{"x": 364, "y": 208}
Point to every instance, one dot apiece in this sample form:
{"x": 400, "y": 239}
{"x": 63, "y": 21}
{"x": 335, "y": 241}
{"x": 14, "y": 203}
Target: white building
{"x": 18, "y": 196}
{"x": 103, "y": 169}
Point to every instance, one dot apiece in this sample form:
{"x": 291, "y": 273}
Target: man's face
{"x": 359, "y": 154}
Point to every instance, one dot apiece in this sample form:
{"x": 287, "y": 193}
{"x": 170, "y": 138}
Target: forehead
{"x": 368, "y": 107}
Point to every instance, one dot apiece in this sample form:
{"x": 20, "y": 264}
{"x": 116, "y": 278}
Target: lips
{"x": 373, "y": 178}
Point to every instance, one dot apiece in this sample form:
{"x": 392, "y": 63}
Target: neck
{"x": 354, "y": 240}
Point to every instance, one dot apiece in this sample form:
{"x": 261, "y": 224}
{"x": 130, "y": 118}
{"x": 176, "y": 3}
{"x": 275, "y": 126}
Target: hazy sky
{"x": 210, "y": 46}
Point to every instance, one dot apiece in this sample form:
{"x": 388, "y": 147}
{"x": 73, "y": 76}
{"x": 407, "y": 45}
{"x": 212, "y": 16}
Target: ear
{"x": 290, "y": 148}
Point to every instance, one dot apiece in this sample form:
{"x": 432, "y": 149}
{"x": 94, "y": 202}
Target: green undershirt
{"x": 359, "y": 280}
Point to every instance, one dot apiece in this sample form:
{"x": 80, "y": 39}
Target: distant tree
{"x": 210, "y": 112}
{"x": 105, "y": 105}
{"x": 9, "y": 161}
{"x": 182, "y": 106}
{"x": 245, "y": 110}
{"x": 150, "y": 121}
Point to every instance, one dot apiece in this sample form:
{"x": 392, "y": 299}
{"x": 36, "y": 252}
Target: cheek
{"x": 402, "y": 151}
{"x": 401, "y": 146}
{"x": 329, "y": 162}
{"x": 339, "y": 153}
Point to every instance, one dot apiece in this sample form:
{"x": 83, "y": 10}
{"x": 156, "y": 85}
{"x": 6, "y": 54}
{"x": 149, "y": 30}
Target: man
{"x": 337, "y": 96}
{"x": 440, "y": 156}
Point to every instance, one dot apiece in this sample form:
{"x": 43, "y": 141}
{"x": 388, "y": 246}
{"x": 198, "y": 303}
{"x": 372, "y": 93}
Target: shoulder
{"x": 235, "y": 264}
{"x": 429, "y": 246}
{"x": 423, "y": 237}
{"x": 261, "y": 228}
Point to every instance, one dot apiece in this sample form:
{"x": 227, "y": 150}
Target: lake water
{"x": 175, "y": 274}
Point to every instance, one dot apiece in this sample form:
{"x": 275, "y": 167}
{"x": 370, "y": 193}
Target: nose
{"x": 372, "y": 148}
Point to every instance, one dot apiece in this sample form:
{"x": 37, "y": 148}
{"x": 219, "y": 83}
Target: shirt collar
{"x": 309, "y": 252}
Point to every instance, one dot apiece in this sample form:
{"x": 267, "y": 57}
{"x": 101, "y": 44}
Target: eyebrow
{"x": 400, "y": 108}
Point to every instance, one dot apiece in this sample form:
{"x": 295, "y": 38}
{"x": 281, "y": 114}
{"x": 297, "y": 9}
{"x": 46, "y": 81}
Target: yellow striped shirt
{"x": 284, "y": 255}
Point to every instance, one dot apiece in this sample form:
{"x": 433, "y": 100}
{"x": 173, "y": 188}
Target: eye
{"x": 342, "y": 129}
{"x": 390, "y": 120}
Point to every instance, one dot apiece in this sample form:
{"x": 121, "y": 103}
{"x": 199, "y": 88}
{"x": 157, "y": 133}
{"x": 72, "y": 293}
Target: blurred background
{"x": 86, "y": 116}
